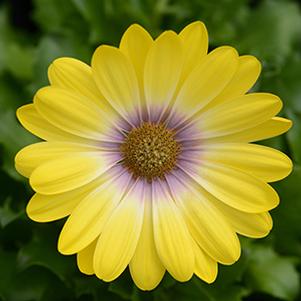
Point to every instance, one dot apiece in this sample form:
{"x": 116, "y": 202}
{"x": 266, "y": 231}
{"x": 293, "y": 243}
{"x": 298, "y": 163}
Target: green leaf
{"x": 7, "y": 215}
{"x": 196, "y": 289}
{"x": 5, "y": 35}
{"x": 16, "y": 55}
{"x": 271, "y": 31}
{"x": 7, "y": 270}
{"x": 51, "y": 48}
{"x": 218, "y": 16}
{"x": 58, "y": 17}
{"x": 33, "y": 284}
{"x": 168, "y": 281}
{"x": 287, "y": 226}
{"x": 293, "y": 136}
{"x": 225, "y": 288}
{"x": 101, "y": 14}
{"x": 288, "y": 84}
{"x": 94, "y": 13}
{"x": 272, "y": 274}
{"x": 19, "y": 60}
{"x": 123, "y": 286}
{"x": 41, "y": 251}
{"x": 13, "y": 137}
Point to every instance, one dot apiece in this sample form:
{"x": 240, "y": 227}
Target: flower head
{"x": 149, "y": 153}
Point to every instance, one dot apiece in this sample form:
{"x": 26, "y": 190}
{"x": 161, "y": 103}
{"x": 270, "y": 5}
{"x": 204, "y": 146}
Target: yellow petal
{"x": 254, "y": 225}
{"x": 236, "y": 188}
{"x": 115, "y": 77}
{"x": 31, "y": 156}
{"x": 47, "y": 208}
{"x": 172, "y": 239}
{"x": 39, "y": 126}
{"x": 271, "y": 128}
{"x": 205, "y": 266}
{"x": 135, "y": 44}
{"x": 263, "y": 162}
{"x": 239, "y": 114}
{"x": 118, "y": 241}
{"x": 146, "y": 268}
{"x": 67, "y": 173}
{"x": 162, "y": 70}
{"x": 194, "y": 38}
{"x": 207, "y": 80}
{"x": 85, "y": 259}
{"x": 76, "y": 76}
{"x": 245, "y": 77}
{"x": 88, "y": 219}
{"x": 73, "y": 113}
{"x": 206, "y": 224}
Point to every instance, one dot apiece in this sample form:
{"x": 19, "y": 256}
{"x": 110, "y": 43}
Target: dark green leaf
{"x": 270, "y": 273}
{"x": 123, "y": 287}
{"x": 271, "y": 31}
{"x": 41, "y": 251}
{"x": 7, "y": 215}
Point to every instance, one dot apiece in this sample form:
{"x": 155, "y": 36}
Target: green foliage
{"x": 268, "y": 272}
{"x": 30, "y": 267}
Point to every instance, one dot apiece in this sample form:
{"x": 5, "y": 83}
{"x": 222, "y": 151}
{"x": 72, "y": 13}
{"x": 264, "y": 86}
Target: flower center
{"x": 150, "y": 151}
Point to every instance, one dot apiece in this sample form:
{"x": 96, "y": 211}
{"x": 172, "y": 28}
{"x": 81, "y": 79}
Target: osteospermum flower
{"x": 149, "y": 153}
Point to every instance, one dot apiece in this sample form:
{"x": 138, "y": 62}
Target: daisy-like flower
{"x": 149, "y": 153}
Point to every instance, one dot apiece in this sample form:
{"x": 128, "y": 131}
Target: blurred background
{"x": 33, "y": 33}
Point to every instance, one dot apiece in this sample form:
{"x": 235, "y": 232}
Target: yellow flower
{"x": 149, "y": 151}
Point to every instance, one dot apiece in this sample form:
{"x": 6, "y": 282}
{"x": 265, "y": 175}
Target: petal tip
{"x": 20, "y": 112}
{"x": 31, "y": 213}
{"x": 210, "y": 278}
{"x": 135, "y": 27}
{"x": 225, "y": 50}
{"x": 82, "y": 268}
{"x": 167, "y": 34}
{"x": 102, "y": 53}
{"x": 42, "y": 92}
{"x": 289, "y": 124}
{"x": 197, "y": 25}
{"x": 62, "y": 246}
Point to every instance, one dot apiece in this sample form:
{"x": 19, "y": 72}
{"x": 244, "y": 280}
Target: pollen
{"x": 150, "y": 151}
